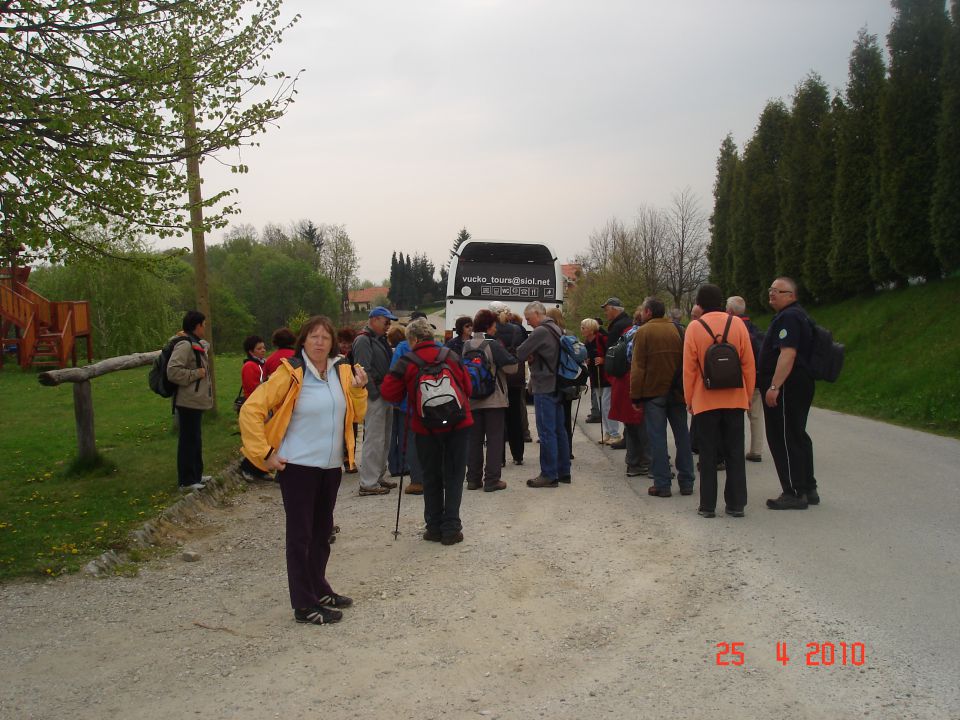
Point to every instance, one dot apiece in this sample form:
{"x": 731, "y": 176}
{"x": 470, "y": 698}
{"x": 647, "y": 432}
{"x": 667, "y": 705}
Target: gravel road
{"x": 585, "y": 601}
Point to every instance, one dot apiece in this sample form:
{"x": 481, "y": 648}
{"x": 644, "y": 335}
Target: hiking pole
{"x": 403, "y": 467}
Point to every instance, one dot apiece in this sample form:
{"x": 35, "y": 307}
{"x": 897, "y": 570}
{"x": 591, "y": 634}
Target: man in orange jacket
{"x": 718, "y": 410}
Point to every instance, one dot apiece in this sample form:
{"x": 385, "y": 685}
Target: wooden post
{"x": 83, "y": 413}
{"x": 83, "y": 393}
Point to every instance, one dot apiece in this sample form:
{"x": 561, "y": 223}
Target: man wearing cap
{"x": 370, "y": 350}
{"x": 618, "y": 322}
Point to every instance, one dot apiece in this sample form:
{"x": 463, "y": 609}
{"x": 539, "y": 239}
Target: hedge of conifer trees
{"x": 856, "y": 192}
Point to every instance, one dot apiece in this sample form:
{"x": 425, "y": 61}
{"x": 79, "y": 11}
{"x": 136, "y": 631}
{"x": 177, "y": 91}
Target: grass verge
{"x": 902, "y": 361}
{"x": 55, "y": 515}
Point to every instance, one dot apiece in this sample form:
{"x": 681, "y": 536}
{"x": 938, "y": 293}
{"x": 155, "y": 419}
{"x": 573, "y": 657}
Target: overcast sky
{"x": 522, "y": 119}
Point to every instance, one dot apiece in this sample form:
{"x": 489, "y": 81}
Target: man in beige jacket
{"x": 188, "y": 369}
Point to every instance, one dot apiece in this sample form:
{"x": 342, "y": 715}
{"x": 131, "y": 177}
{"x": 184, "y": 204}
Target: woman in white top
{"x": 296, "y": 423}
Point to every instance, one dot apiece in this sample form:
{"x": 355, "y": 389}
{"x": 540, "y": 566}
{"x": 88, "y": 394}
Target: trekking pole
{"x": 403, "y": 468}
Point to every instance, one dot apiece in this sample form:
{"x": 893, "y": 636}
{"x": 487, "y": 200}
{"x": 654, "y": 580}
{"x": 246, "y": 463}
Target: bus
{"x": 515, "y": 273}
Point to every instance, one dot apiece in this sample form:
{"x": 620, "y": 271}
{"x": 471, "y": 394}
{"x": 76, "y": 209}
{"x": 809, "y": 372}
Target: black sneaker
{"x": 787, "y": 502}
{"x": 565, "y": 479}
{"x": 636, "y": 471}
{"x": 431, "y": 536}
{"x": 452, "y": 539}
{"x": 733, "y": 513}
{"x": 335, "y": 601}
{"x": 703, "y": 512}
{"x": 813, "y": 497}
{"x": 592, "y": 419}
{"x": 318, "y": 615}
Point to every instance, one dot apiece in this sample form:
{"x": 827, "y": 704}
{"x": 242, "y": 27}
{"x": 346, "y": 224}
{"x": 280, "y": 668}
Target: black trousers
{"x": 786, "y": 426}
{"x": 487, "y": 427}
{"x": 720, "y": 433}
{"x": 189, "y": 446}
{"x": 516, "y": 413}
{"x": 309, "y": 497}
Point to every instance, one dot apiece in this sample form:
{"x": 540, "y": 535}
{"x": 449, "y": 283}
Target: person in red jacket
{"x": 284, "y": 341}
{"x": 442, "y": 452}
{"x": 251, "y": 374}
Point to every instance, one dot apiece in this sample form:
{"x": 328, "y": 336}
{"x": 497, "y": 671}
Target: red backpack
{"x": 438, "y": 400}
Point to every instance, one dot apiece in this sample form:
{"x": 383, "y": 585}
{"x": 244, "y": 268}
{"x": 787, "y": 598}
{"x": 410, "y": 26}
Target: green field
{"x": 52, "y": 521}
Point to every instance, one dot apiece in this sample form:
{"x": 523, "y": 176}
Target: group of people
{"x": 301, "y": 409}
{"x": 670, "y": 376}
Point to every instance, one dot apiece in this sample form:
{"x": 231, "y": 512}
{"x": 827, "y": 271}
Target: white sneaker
{"x": 192, "y": 488}
{"x": 205, "y": 479}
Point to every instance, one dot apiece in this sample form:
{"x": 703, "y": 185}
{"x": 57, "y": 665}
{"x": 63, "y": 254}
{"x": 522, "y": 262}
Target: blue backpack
{"x": 571, "y": 358}
{"x": 478, "y": 362}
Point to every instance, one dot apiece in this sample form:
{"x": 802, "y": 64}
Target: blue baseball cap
{"x": 381, "y": 311}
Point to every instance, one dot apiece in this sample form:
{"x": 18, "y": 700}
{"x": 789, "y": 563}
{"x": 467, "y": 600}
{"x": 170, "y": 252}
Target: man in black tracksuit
{"x": 787, "y": 394}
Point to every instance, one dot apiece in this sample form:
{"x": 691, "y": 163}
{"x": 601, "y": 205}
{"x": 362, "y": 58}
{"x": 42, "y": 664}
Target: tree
{"x": 718, "y": 252}
{"x": 799, "y": 174}
{"x": 684, "y": 265}
{"x": 97, "y": 97}
{"x": 338, "y": 261}
{"x": 131, "y": 307}
{"x": 253, "y": 273}
{"x": 815, "y": 274}
{"x": 945, "y": 205}
{"x": 461, "y": 238}
{"x": 757, "y": 205}
{"x": 908, "y": 121}
{"x": 853, "y": 197}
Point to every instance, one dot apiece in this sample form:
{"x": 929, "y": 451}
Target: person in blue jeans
{"x": 542, "y": 350}
{"x": 656, "y": 385}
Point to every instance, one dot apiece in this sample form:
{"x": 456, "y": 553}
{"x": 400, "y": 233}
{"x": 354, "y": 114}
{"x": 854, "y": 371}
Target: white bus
{"x": 514, "y": 273}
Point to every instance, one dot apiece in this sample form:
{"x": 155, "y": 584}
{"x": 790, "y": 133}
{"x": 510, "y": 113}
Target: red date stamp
{"x": 817, "y": 654}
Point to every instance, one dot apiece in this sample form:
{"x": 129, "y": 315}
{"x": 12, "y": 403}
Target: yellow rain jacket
{"x": 266, "y": 414}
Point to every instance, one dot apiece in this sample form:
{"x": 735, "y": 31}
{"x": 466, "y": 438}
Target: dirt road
{"x": 590, "y": 600}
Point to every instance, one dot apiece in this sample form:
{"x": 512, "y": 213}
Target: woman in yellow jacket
{"x": 296, "y": 424}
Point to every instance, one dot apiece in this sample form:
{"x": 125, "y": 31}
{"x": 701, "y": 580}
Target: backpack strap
{"x": 713, "y": 338}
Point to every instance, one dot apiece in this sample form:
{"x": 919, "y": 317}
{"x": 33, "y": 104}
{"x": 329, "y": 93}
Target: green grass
{"x": 902, "y": 361}
{"x": 53, "y": 520}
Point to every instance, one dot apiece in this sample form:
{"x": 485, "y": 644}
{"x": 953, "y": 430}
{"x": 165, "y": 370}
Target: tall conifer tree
{"x": 721, "y": 270}
{"x": 816, "y": 273}
{"x": 798, "y": 174}
{"x": 945, "y": 211}
{"x": 908, "y": 154}
{"x": 853, "y": 196}
{"x": 758, "y": 200}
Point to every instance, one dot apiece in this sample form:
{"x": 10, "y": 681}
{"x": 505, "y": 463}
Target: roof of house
{"x": 571, "y": 271}
{"x": 367, "y": 295}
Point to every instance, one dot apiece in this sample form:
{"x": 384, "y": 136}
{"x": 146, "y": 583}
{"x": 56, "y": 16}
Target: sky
{"x": 521, "y": 120}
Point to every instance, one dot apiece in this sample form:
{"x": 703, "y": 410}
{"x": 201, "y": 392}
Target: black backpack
{"x": 615, "y": 362}
{"x": 826, "y": 355}
{"x": 157, "y": 379}
{"x": 721, "y": 362}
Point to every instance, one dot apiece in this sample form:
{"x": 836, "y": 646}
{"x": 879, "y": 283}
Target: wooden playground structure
{"x": 41, "y": 333}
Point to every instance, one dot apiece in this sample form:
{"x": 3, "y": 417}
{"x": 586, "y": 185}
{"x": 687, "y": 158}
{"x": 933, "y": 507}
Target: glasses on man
{"x": 776, "y": 291}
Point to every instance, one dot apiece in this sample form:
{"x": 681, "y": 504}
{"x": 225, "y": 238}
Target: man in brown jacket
{"x": 656, "y": 386}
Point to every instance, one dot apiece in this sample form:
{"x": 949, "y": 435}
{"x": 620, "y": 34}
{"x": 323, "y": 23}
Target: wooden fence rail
{"x": 83, "y": 393}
